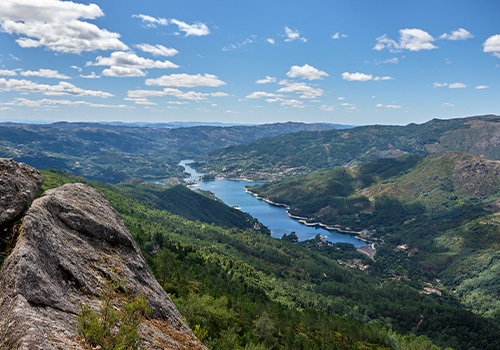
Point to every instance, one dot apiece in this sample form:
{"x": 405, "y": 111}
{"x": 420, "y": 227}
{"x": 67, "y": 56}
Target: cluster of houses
{"x": 430, "y": 289}
{"x": 356, "y": 264}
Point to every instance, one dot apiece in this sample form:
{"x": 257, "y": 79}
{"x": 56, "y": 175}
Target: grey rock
{"x": 18, "y": 186}
{"x": 72, "y": 241}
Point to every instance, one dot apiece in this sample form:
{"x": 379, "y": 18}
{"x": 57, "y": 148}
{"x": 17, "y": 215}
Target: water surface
{"x": 232, "y": 192}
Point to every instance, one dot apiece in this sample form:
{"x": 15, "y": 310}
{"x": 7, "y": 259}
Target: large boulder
{"x": 18, "y": 186}
{"x": 72, "y": 241}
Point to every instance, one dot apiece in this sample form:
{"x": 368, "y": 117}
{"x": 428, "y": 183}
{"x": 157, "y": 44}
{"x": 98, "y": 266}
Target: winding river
{"x": 232, "y": 192}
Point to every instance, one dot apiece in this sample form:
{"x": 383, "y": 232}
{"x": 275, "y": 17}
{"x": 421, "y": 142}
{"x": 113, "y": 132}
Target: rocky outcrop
{"x": 18, "y": 186}
{"x": 72, "y": 240}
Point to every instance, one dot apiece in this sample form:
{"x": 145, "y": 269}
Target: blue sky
{"x": 351, "y": 62}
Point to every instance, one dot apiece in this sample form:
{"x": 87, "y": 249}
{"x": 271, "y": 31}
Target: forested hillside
{"x": 243, "y": 289}
{"x": 114, "y": 153}
{"x": 307, "y": 152}
{"x": 437, "y": 217}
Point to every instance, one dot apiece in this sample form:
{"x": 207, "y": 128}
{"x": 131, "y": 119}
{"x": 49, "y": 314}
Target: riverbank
{"x": 369, "y": 249}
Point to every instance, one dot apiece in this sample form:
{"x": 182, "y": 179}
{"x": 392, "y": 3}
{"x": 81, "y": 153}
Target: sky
{"x": 351, "y": 62}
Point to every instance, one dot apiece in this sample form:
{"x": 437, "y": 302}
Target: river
{"x": 232, "y": 192}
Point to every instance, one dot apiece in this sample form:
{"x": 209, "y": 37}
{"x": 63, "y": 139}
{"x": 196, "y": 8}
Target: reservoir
{"x": 232, "y": 192}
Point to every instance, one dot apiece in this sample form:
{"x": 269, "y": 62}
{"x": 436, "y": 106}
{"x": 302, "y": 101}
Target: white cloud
{"x": 447, "y": 104}
{"x": 7, "y": 73}
{"x": 492, "y": 44}
{"x": 338, "y": 36}
{"x": 158, "y": 50}
{"x": 262, "y": 94}
{"x": 341, "y": 98}
{"x": 196, "y": 29}
{"x": 383, "y": 78}
{"x": 56, "y": 25}
{"x": 457, "y": 86}
{"x": 345, "y": 104}
{"x": 393, "y": 106}
{"x": 63, "y": 88}
{"x": 123, "y": 72}
{"x": 76, "y": 68}
{"x": 410, "y": 39}
{"x": 292, "y": 35}
{"x": 271, "y": 41}
{"x": 394, "y": 60}
{"x": 141, "y": 101}
{"x": 436, "y": 85}
{"x": 481, "y": 87}
{"x": 45, "y": 73}
{"x": 152, "y": 21}
{"x": 267, "y": 80}
{"x": 44, "y": 103}
{"x": 90, "y": 76}
{"x": 186, "y": 80}
{"x": 305, "y": 90}
{"x": 306, "y": 72}
{"x": 356, "y": 76}
{"x": 5, "y": 109}
{"x": 219, "y": 94}
{"x": 189, "y": 95}
{"x": 327, "y": 108}
{"x": 460, "y": 34}
{"x": 292, "y": 103}
{"x": 130, "y": 59}
{"x": 240, "y": 45}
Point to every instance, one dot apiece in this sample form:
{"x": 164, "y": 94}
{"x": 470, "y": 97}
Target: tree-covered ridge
{"x": 114, "y": 153}
{"x": 437, "y": 218}
{"x": 242, "y": 289}
{"x": 306, "y": 152}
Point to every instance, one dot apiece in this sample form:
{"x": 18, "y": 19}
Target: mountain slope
{"x": 306, "y": 152}
{"x": 437, "y": 216}
{"x": 114, "y": 153}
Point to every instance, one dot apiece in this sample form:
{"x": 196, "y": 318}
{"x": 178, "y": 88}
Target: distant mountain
{"x": 114, "y": 153}
{"x": 306, "y": 152}
{"x": 437, "y": 217}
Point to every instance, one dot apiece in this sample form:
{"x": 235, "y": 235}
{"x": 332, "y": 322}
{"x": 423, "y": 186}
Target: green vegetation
{"x": 245, "y": 290}
{"x": 112, "y": 329}
{"x": 115, "y": 153}
{"x": 307, "y": 152}
{"x": 437, "y": 217}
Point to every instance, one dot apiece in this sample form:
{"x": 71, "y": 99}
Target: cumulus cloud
{"x": 196, "y": 29}
{"x": 306, "y": 72}
{"x": 189, "y": 95}
{"x": 57, "y": 25}
{"x": 306, "y": 91}
{"x": 186, "y": 80}
{"x": 219, "y": 94}
{"x": 24, "y": 102}
{"x": 158, "y": 50}
{"x": 267, "y": 80}
{"x": 90, "y": 76}
{"x": 327, "y": 108}
{"x": 460, "y": 34}
{"x": 45, "y": 73}
{"x": 150, "y": 21}
{"x": 492, "y": 44}
{"x": 356, "y": 76}
{"x": 123, "y": 72}
{"x": 130, "y": 59}
{"x": 410, "y": 39}
{"x": 63, "y": 88}
{"x": 292, "y": 35}
{"x": 338, "y": 36}
{"x": 447, "y": 104}
{"x": 363, "y": 77}
{"x": 271, "y": 41}
{"x": 8, "y": 73}
{"x": 481, "y": 87}
{"x": 141, "y": 101}
{"x": 262, "y": 94}
{"x": 436, "y": 85}
{"x": 394, "y": 60}
{"x": 457, "y": 86}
